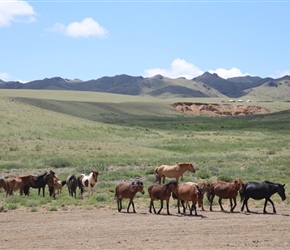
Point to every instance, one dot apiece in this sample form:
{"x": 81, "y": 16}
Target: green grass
{"x": 125, "y": 137}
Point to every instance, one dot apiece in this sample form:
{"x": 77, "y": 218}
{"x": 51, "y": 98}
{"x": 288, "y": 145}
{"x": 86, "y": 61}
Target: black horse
{"x": 40, "y": 182}
{"x": 261, "y": 190}
{"x": 72, "y": 184}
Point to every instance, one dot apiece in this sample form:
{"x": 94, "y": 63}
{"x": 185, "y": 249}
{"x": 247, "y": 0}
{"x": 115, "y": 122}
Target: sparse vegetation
{"x": 128, "y": 139}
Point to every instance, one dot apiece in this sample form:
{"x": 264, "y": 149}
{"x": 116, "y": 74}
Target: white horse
{"x": 88, "y": 181}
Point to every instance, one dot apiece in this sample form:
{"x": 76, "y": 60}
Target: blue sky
{"x": 91, "y": 39}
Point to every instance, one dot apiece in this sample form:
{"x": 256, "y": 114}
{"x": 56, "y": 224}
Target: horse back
{"x": 187, "y": 192}
{"x": 258, "y": 190}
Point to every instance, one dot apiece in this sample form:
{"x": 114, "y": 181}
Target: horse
{"x": 20, "y": 182}
{"x": 158, "y": 192}
{"x": 40, "y": 182}
{"x": 58, "y": 184}
{"x": 87, "y": 181}
{"x": 204, "y": 188}
{"x": 187, "y": 192}
{"x": 72, "y": 183}
{"x": 3, "y": 184}
{"x": 225, "y": 190}
{"x": 261, "y": 190}
{"x": 175, "y": 171}
{"x": 124, "y": 190}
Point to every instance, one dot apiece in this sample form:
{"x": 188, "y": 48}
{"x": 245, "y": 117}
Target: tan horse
{"x": 175, "y": 171}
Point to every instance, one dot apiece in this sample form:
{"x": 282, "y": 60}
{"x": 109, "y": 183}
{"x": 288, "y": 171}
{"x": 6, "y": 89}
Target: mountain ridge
{"x": 205, "y": 85}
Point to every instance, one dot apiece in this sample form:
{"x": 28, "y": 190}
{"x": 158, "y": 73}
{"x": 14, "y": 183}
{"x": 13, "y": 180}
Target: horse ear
{"x": 283, "y": 185}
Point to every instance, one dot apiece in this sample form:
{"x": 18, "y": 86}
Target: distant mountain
{"x": 205, "y": 85}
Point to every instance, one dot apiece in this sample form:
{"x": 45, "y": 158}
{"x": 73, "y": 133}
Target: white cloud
{"x": 4, "y": 76}
{"x": 179, "y": 68}
{"x": 281, "y": 73}
{"x": 88, "y": 27}
{"x": 228, "y": 73}
{"x": 16, "y": 11}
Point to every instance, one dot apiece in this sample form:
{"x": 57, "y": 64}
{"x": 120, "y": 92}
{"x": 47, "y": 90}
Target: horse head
{"x": 281, "y": 191}
{"x": 95, "y": 175}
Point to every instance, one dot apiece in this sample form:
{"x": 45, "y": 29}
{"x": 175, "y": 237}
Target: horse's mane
{"x": 41, "y": 176}
{"x": 169, "y": 183}
{"x": 272, "y": 183}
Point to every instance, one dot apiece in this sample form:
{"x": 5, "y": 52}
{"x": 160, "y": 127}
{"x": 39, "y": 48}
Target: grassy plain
{"x": 127, "y": 136}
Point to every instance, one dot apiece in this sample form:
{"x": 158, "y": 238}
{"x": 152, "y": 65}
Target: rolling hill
{"x": 205, "y": 85}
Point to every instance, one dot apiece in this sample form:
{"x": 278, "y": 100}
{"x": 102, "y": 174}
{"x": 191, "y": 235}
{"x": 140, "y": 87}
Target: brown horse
{"x": 204, "y": 187}
{"x": 88, "y": 181}
{"x": 20, "y": 182}
{"x": 175, "y": 171}
{"x": 128, "y": 191}
{"x": 3, "y": 184}
{"x": 225, "y": 190}
{"x": 187, "y": 192}
{"x": 158, "y": 192}
{"x": 49, "y": 180}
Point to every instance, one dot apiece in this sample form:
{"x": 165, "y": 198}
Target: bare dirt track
{"x": 105, "y": 228}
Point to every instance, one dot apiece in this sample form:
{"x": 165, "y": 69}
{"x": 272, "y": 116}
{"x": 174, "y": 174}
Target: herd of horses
{"x": 25, "y": 182}
{"x": 188, "y": 194}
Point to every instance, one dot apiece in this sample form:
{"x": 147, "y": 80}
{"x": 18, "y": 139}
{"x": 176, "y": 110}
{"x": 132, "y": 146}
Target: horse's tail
{"x": 157, "y": 176}
{"x": 116, "y": 193}
{"x": 63, "y": 183}
{"x": 209, "y": 192}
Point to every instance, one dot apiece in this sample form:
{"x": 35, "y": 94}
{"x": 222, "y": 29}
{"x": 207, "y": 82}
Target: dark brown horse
{"x": 189, "y": 192}
{"x": 175, "y": 171}
{"x": 49, "y": 178}
{"x": 3, "y": 184}
{"x": 124, "y": 190}
{"x": 88, "y": 181}
{"x": 158, "y": 192}
{"x": 18, "y": 183}
{"x": 72, "y": 183}
{"x": 225, "y": 190}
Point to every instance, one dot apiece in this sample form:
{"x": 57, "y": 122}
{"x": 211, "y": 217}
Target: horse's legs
{"x": 184, "y": 207}
{"x": 193, "y": 207}
{"x": 235, "y": 204}
{"x": 161, "y": 206}
{"x": 220, "y": 202}
{"x": 163, "y": 179}
{"x": 245, "y": 203}
{"x": 274, "y": 210}
{"x": 167, "y": 206}
{"x": 210, "y": 198}
{"x": 265, "y": 205}
{"x": 152, "y": 206}
{"x": 133, "y": 205}
{"x": 119, "y": 203}
{"x": 178, "y": 204}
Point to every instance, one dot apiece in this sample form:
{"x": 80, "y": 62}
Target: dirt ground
{"x": 106, "y": 228}
{"x": 218, "y": 109}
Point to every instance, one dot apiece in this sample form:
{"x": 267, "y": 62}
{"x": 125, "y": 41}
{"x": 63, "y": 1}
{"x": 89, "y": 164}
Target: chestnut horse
{"x": 128, "y": 191}
{"x": 20, "y": 182}
{"x": 204, "y": 188}
{"x": 175, "y": 171}
{"x": 72, "y": 183}
{"x": 188, "y": 192}
{"x": 158, "y": 192}
{"x": 87, "y": 181}
{"x": 225, "y": 190}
